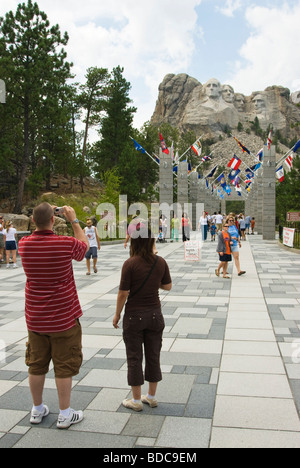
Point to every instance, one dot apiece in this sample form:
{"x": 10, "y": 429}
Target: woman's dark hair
{"x": 142, "y": 245}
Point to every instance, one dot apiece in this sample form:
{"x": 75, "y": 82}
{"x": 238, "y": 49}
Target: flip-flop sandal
{"x": 226, "y": 277}
{"x": 88, "y": 274}
{"x": 217, "y": 274}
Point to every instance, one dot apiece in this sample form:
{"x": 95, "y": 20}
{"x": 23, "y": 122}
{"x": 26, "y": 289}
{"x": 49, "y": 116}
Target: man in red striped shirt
{"x": 52, "y": 310}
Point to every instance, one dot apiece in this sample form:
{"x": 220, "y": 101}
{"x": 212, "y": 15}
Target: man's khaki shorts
{"x": 65, "y": 350}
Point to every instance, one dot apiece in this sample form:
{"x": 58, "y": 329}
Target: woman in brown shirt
{"x": 143, "y": 274}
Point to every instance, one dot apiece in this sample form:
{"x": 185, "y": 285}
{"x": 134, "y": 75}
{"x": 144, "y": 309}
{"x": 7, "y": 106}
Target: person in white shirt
{"x": 203, "y": 225}
{"x": 10, "y": 242}
{"x": 219, "y": 221}
{"x": 94, "y": 241}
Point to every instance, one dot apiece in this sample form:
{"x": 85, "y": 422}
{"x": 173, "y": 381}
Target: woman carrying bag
{"x": 143, "y": 274}
{"x": 224, "y": 250}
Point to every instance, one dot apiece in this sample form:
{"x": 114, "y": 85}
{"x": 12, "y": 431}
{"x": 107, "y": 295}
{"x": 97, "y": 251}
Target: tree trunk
{"x": 23, "y": 172}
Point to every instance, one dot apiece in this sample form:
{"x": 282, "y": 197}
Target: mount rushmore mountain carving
{"x": 185, "y": 103}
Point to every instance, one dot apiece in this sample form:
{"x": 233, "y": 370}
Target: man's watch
{"x": 76, "y": 221}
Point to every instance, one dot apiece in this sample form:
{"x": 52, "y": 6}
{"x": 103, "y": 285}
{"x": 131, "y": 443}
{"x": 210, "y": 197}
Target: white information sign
{"x": 288, "y": 236}
{"x": 192, "y": 251}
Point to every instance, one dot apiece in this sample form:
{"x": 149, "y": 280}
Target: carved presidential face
{"x": 228, "y": 93}
{"x": 213, "y": 89}
{"x": 239, "y": 102}
{"x": 259, "y": 103}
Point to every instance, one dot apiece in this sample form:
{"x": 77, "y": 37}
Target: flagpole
{"x": 146, "y": 153}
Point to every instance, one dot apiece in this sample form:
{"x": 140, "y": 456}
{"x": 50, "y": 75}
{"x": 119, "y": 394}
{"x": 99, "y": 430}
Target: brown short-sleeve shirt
{"x": 134, "y": 272}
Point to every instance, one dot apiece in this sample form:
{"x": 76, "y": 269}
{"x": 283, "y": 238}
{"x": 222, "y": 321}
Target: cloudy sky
{"x": 250, "y": 44}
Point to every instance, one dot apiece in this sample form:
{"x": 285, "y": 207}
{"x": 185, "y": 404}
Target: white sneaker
{"x": 15, "y": 266}
{"x": 37, "y": 416}
{"x": 7, "y": 266}
{"x": 74, "y": 418}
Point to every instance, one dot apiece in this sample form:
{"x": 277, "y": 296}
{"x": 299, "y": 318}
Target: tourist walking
{"x": 143, "y": 274}
{"x": 52, "y": 310}
{"x": 242, "y": 224}
{"x": 252, "y": 226}
{"x": 224, "y": 251}
{"x": 175, "y": 225}
{"x": 203, "y": 225}
{"x": 236, "y": 244}
{"x": 219, "y": 221}
{"x": 10, "y": 243}
{"x": 186, "y": 227}
{"x": 94, "y": 243}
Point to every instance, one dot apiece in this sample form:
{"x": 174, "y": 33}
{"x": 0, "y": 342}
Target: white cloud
{"x": 270, "y": 55}
{"x": 148, "y": 38}
{"x": 230, "y": 7}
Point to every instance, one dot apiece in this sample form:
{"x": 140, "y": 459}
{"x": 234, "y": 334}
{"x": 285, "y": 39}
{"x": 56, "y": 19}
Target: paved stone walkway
{"x": 230, "y": 358}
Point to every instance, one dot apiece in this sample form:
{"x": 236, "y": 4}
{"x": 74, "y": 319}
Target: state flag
{"x": 197, "y": 147}
{"x": 233, "y": 174}
{"x": 235, "y": 163}
{"x": 280, "y": 174}
{"x": 163, "y": 144}
{"x": 222, "y": 180}
{"x": 269, "y": 141}
{"x": 289, "y": 160}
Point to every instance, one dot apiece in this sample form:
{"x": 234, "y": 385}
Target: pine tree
{"x": 35, "y": 73}
{"x": 117, "y": 123}
{"x": 92, "y": 100}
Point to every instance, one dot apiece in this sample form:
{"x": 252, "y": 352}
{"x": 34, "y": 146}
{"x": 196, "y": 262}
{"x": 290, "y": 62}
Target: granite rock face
{"x": 207, "y": 108}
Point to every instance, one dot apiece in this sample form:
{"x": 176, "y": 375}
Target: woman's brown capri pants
{"x": 143, "y": 328}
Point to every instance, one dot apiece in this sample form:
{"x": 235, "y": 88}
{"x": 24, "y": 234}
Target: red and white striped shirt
{"x": 51, "y": 300}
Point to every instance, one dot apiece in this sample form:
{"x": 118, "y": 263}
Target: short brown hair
{"x": 42, "y": 215}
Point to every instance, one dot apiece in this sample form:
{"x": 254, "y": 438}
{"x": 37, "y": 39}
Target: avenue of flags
{"x": 238, "y": 179}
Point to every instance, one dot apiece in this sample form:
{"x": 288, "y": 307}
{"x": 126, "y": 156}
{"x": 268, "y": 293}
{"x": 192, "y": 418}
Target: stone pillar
{"x": 2, "y": 92}
{"x": 165, "y": 178}
{"x": 194, "y": 186}
{"x": 259, "y": 212}
{"x": 182, "y": 184}
{"x": 269, "y": 194}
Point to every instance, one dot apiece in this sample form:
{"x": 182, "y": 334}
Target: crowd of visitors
{"x": 53, "y": 311}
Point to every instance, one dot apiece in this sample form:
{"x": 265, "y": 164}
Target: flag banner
{"x": 269, "y": 140}
{"x": 220, "y": 194}
{"x": 222, "y": 180}
{"x": 227, "y": 189}
{"x": 280, "y": 174}
{"x": 289, "y": 160}
{"x": 236, "y": 181}
{"x": 163, "y": 145}
{"x": 233, "y": 174}
{"x": 248, "y": 180}
{"x": 197, "y": 147}
{"x": 260, "y": 155}
{"x": 257, "y": 167}
{"x": 297, "y": 146}
{"x": 138, "y": 147}
{"x": 206, "y": 158}
{"x": 243, "y": 148}
{"x": 235, "y": 163}
{"x": 156, "y": 158}
{"x": 212, "y": 173}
